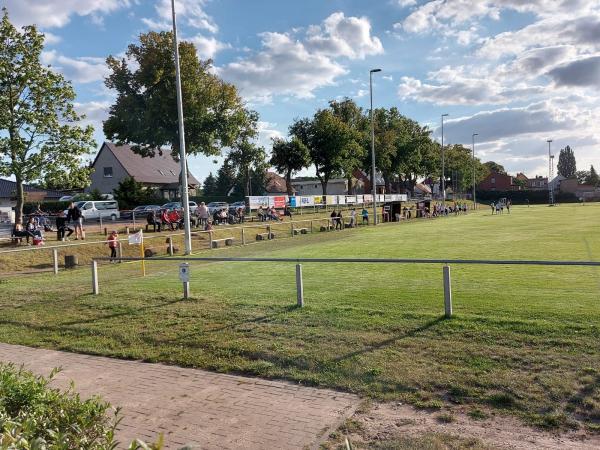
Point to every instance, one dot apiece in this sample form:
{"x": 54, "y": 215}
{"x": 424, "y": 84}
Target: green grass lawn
{"x": 524, "y": 340}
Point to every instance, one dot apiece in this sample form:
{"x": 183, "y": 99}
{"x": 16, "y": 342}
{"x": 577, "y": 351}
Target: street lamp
{"x": 182, "y": 158}
{"x": 373, "y": 180}
{"x": 443, "y": 165}
{"x": 550, "y": 157}
{"x": 474, "y": 198}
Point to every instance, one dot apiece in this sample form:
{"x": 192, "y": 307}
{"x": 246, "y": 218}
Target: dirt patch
{"x": 398, "y": 426}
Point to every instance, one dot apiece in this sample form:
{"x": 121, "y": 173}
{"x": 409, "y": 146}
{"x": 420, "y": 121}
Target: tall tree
{"x": 145, "y": 112}
{"x": 226, "y": 178}
{"x": 567, "y": 167}
{"x": 328, "y": 139}
{"x": 582, "y": 176}
{"x": 593, "y": 177}
{"x": 40, "y": 133}
{"x": 289, "y": 157}
{"x": 130, "y": 193}
{"x": 209, "y": 187}
{"x": 357, "y": 123}
{"x": 415, "y": 154}
{"x": 495, "y": 167}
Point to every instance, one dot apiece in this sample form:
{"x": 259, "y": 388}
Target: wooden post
{"x": 95, "y": 289}
{"x": 210, "y": 237}
{"x": 292, "y": 228}
{"x": 243, "y": 236}
{"x": 269, "y": 230}
{"x": 447, "y": 292}
{"x": 120, "y": 252}
{"x": 299, "y": 286}
{"x": 170, "y": 245}
{"x": 311, "y": 226}
{"x": 55, "y": 260}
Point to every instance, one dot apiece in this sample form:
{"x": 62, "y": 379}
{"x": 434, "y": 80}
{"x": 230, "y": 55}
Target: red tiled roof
{"x": 275, "y": 183}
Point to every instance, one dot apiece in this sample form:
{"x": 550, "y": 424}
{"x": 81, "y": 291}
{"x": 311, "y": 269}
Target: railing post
{"x": 299, "y": 286}
{"x": 95, "y": 277}
{"x": 311, "y": 226}
{"x": 170, "y": 245}
{"x": 55, "y": 260}
{"x": 292, "y": 228}
{"x": 120, "y": 252}
{"x": 210, "y": 237}
{"x": 447, "y": 292}
{"x": 243, "y": 236}
{"x": 269, "y": 230}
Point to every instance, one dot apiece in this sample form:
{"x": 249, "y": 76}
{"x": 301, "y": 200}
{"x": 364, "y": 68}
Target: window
{"x": 108, "y": 173}
{"x": 493, "y": 181}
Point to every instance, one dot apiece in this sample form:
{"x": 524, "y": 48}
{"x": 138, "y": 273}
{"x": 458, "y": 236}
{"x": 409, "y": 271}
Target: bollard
{"x": 447, "y": 292}
{"x": 311, "y": 226}
{"x": 55, "y": 260}
{"x": 292, "y": 228}
{"x": 120, "y": 252}
{"x": 95, "y": 277}
{"x": 299, "y": 286}
{"x": 243, "y": 236}
{"x": 269, "y": 230}
{"x": 184, "y": 276}
{"x": 170, "y": 245}
{"x": 105, "y": 231}
{"x": 126, "y": 230}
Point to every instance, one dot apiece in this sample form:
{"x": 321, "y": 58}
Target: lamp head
{"x": 375, "y": 70}
{"x": 444, "y": 115}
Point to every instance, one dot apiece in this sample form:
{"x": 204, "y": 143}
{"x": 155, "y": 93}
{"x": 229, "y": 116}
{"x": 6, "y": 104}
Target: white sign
{"x": 257, "y": 201}
{"x": 136, "y": 239}
{"x": 184, "y": 272}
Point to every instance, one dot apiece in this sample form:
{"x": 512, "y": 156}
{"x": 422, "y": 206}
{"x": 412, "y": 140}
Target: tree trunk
{"x": 20, "y": 201}
{"x": 324, "y": 185}
{"x": 288, "y": 183}
{"x": 350, "y": 185}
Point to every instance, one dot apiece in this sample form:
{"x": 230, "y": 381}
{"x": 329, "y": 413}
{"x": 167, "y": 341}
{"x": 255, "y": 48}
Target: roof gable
{"x": 8, "y": 190}
{"x": 161, "y": 169}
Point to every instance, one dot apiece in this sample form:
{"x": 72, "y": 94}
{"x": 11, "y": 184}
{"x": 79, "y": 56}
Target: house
{"x": 422, "y": 190}
{"x": 581, "y": 191}
{"x": 496, "y": 181}
{"x": 336, "y": 186}
{"x": 363, "y": 182}
{"x": 275, "y": 184}
{"x": 114, "y": 163}
{"x": 538, "y": 183}
{"x": 8, "y": 193}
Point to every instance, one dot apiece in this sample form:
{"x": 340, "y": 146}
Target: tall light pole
{"x": 373, "y": 180}
{"x": 474, "y": 198}
{"x": 182, "y": 157}
{"x": 443, "y": 165}
{"x": 550, "y": 193}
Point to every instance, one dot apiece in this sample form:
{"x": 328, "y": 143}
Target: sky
{"x": 516, "y": 72}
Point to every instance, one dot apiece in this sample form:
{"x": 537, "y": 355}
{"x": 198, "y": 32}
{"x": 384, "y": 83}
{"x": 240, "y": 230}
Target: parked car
{"x": 217, "y": 206}
{"x": 177, "y": 205}
{"x": 108, "y": 209}
{"x": 139, "y": 211}
{"x": 65, "y": 198}
{"x": 237, "y": 205}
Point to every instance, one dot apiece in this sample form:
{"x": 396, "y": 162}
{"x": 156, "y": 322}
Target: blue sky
{"x": 515, "y": 72}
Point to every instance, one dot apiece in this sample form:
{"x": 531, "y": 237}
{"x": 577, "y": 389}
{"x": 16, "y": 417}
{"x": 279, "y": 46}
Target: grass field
{"x": 524, "y": 340}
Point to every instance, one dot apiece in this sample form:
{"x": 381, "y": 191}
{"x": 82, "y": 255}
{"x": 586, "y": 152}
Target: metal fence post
{"x": 170, "y": 245}
{"x": 210, "y": 237}
{"x": 55, "y": 260}
{"x": 243, "y": 236}
{"x": 120, "y": 251}
{"x": 299, "y": 286}
{"x": 95, "y": 277}
{"x": 447, "y": 292}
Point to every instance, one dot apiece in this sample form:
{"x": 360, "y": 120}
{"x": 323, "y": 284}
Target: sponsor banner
{"x": 368, "y": 198}
{"x": 350, "y": 199}
{"x": 359, "y": 199}
{"x": 387, "y": 198}
{"x": 319, "y": 200}
{"x": 341, "y": 199}
{"x": 380, "y": 197}
{"x": 278, "y": 201}
{"x": 293, "y": 202}
{"x": 331, "y": 199}
{"x": 256, "y": 201}
{"x": 307, "y": 201}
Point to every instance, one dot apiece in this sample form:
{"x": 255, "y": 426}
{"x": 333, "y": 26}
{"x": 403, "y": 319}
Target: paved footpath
{"x": 203, "y": 410}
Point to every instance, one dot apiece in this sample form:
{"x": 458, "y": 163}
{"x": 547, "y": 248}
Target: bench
{"x": 216, "y": 243}
{"x": 264, "y": 236}
{"x": 298, "y": 231}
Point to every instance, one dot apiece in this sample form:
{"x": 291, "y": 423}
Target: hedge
{"x": 524, "y": 197}
{"x": 35, "y": 416}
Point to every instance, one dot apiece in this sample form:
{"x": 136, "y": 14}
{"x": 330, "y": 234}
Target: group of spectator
{"x": 174, "y": 219}
{"x": 38, "y": 223}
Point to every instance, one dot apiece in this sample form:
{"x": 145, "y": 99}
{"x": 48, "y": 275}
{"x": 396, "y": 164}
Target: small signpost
{"x": 184, "y": 276}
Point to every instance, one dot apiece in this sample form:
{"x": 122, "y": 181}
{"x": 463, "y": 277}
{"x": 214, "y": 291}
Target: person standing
{"x": 339, "y": 221}
{"x": 353, "y": 218}
{"x": 493, "y": 208}
{"x": 74, "y": 215}
{"x": 508, "y": 206}
{"x": 202, "y": 213}
{"x": 365, "y": 216}
{"x": 113, "y": 242}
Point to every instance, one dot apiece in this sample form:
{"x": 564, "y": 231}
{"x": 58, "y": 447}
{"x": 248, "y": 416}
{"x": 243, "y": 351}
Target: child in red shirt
{"x": 112, "y": 242}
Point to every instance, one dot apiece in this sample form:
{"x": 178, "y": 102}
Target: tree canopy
{"x": 495, "y": 167}
{"x": 41, "y": 136}
{"x": 288, "y": 157}
{"x": 144, "y": 114}
{"x": 567, "y": 167}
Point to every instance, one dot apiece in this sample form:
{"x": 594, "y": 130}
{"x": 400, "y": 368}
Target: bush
{"x": 34, "y": 415}
{"x": 49, "y": 207}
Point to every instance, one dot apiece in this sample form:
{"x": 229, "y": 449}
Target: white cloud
{"x": 405, "y": 3}
{"x": 343, "y": 36}
{"x": 207, "y": 47}
{"x": 52, "y": 13}
{"x": 191, "y": 12}
{"x": 81, "y": 69}
{"x": 291, "y": 66}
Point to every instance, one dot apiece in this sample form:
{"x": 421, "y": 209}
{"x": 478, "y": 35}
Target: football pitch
{"x": 524, "y": 340}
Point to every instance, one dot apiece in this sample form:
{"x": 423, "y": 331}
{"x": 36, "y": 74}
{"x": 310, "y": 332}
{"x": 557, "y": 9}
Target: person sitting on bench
{"x": 18, "y": 233}
{"x": 153, "y": 220}
{"x": 62, "y": 227}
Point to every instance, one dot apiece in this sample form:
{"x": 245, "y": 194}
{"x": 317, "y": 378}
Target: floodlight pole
{"x": 373, "y": 179}
{"x": 474, "y": 198}
{"x": 182, "y": 156}
{"x": 443, "y": 165}
{"x": 550, "y": 193}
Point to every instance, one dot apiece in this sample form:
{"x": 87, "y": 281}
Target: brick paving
{"x": 200, "y": 409}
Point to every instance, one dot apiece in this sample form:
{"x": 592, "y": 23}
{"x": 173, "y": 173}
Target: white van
{"x": 92, "y": 209}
